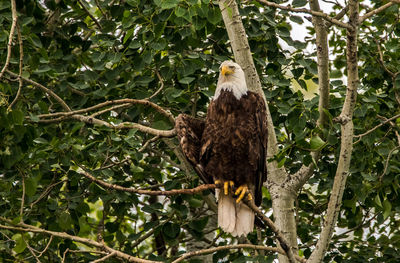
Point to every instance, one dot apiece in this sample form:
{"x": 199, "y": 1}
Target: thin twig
{"x": 155, "y": 138}
{"x": 104, "y": 258}
{"x": 215, "y": 249}
{"x": 110, "y": 109}
{"x": 21, "y": 60}
{"x": 307, "y": 11}
{"x": 113, "y": 164}
{"x": 31, "y": 250}
{"x": 195, "y": 190}
{"x": 101, "y": 10}
{"x": 29, "y": 228}
{"x": 46, "y": 192}
{"x": 47, "y": 247}
{"x": 377, "y": 10}
{"x": 90, "y": 15}
{"x": 161, "y": 87}
{"x": 10, "y": 37}
{"x": 279, "y": 235}
{"x": 377, "y": 126}
{"x": 382, "y": 62}
{"x": 387, "y": 162}
{"x": 21, "y": 211}
{"x": 112, "y": 102}
{"x": 64, "y": 255}
{"x": 43, "y": 88}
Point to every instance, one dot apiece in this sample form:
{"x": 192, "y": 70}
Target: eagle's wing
{"x": 189, "y": 131}
{"x": 262, "y": 131}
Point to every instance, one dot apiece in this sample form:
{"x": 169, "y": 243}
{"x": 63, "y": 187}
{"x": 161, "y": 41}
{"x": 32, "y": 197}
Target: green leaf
{"x": 40, "y": 141}
{"x": 36, "y": 41}
{"x": 30, "y": 186}
{"x": 17, "y": 117}
{"x": 387, "y": 208}
{"x": 65, "y": 220}
{"x": 180, "y": 11}
{"x": 316, "y": 142}
{"x": 171, "y": 230}
{"x": 214, "y": 15}
{"x": 299, "y": 3}
{"x": 133, "y": 3}
{"x": 20, "y": 244}
{"x": 186, "y": 80}
{"x": 167, "y": 4}
{"x": 378, "y": 200}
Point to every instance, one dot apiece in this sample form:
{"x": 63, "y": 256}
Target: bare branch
{"x": 21, "y": 60}
{"x": 113, "y": 164}
{"x": 121, "y": 106}
{"x": 21, "y": 211}
{"x": 121, "y": 126}
{"x": 29, "y": 228}
{"x": 155, "y": 138}
{"x": 43, "y": 88}
{"x": 10, "y": 36}
{"x": 239, "y": 246}
{"x": 90, "y": 15}
{"x": 105, "y": 257}
{"x": 377, "y": 10}
{"x": 387, "y": 162}
{"x": 112, "y": 102}
{"x": 161, "y": 87}
{"x": 279, "y": 235}
{"x": 307, "y": 11}
{"x": 377, "y": 126}
{"x": 347, "y": 134}
{"x": 195, "y": 190}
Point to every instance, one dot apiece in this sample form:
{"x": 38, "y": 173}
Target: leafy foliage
{"x": 89, "y": 52}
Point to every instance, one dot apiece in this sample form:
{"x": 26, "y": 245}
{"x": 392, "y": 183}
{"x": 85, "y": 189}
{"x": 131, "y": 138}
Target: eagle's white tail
{"x": 237, "y": 219}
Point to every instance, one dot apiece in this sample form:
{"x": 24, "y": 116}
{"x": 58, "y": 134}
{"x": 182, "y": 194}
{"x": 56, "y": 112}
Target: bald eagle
{"x": 229, "y": 148}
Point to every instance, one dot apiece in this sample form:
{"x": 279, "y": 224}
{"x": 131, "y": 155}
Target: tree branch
{"x": 21, "y": 60}
{"x": 43, "y": 88}
{"x": 10, "y": 36}
{"x": 347, "y": 133}
{"x": 287, "y": 248}
{"x": 90, "y": 15}
{"x": 377, "y": 10}
{"x": 121, "y": 126}
{"x": 29, "y": 228}
{"x": 307, "y": 11}
{"x": 109, "y": 103}
{"x": 195, "y": 190}
{"x": 161, "y": 86}
{"x": 239, "y": 246}
{"x": 377, "y": 126}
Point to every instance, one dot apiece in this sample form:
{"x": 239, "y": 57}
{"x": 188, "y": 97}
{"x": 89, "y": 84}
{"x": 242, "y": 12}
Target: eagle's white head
{"x": 231, "y": 78}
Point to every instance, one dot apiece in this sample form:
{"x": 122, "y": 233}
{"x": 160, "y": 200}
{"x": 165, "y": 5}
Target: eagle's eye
{"x": 232, "y": 67}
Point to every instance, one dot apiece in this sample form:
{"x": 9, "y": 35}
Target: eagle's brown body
{"x": 230, "y": 146}
{"x": 233, "y": 144}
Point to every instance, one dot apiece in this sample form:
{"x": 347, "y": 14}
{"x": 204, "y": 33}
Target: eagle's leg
{"x": 241, "y": 191}
{"x": 226, "y": 185}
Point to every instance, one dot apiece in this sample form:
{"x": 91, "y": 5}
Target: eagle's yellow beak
{"x": 225, "y": 70}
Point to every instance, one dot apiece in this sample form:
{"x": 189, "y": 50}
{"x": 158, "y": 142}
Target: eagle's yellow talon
{"x": 242, "y": 190}
{"x": 239, "y": 190}
{"x": 249, "y": 197}
{"x": 227, "y": 184}
{"x": 217, "y": 182}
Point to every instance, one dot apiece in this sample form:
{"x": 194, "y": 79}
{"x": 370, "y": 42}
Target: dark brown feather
{"x": 234, "y": 141}
{"x": 189, "y": 131}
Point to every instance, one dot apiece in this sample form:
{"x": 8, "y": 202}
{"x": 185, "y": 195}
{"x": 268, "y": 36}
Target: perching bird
{"x": 230, "y": 147}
